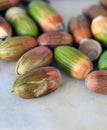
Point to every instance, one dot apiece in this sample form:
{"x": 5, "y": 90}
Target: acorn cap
{"x": 91, "y": 48}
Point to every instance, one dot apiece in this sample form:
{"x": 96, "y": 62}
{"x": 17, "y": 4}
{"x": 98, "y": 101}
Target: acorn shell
{"x": 91, "y": 48}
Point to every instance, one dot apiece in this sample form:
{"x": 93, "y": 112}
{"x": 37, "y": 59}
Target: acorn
{"x": 99, "y": 29}
{"x": 47, "y": 18}
{"x": 79, "y": 27}
{"x": 91, "y": 48}
{"x": 37, "y": 83}
{"x": 13, "y": 48}
{"x": 72, "y": 61}
{"x": 21, "y": 22}
{"x": 37, "y": 57}
{"x": 5, "y": 29}
{"x": 102, "y": 62}
{"x": 93, "y": 11}
{"x": 5, "y": 4}
{"x": 96, "y": 81}
{"x": 54, "y": 39}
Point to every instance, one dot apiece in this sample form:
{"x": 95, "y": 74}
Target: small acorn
{"x": 5, "y": 4}
{"x": 13, "y": 48}
{"x": 91, "y": 48}
{"x": 5, "y": 29}
{"x": 93, "y": 11}
{"x": 99, "y": 29}
{"x": 47, "y": 18}
{"x": 37, "y": 83}
{"x": 96, "y": 81}
{"x": 55, "y": 38}
{"x": 37, "y": 57}
{"x": 21, "y": 22}
{"x": 79, "y": 27}
{"x": 72, "y": 61}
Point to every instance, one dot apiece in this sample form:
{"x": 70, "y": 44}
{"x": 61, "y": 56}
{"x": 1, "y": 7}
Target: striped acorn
{"x": 13, "y": 48}
{"x": 96, "y": 81}
{"x": 4, "y": 4}
{"x": 5, "y": 29}
{"x": 37, "y": 83}
{"x": 79, "y": 26}
{"x": 45, "y": 15}
{"x": 37, "y": 57}
{"x": 55, "y": 38}
{"x": 21, "y": 22}
{"x": 72, "y": 61}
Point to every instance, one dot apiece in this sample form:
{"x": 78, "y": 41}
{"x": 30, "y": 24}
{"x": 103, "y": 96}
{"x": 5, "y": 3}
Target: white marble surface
{"x": 71, "y": 107}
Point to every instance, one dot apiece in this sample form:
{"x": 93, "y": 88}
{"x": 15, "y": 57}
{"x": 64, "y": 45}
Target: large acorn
{"x": 45, "y": 15}
{"x": 79, "y": 26}
{"x": 72, "y": 61}
{"x": 37, "y": 82}
{"x": 37, "y": 57}
{"x": 13, "y": 48}
{"x": 96, "y": 81}
{"x": 54, "y": 39}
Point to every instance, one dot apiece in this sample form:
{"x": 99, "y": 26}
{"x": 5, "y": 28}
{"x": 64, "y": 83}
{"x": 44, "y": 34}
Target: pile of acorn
{"x": 35, "y": 36}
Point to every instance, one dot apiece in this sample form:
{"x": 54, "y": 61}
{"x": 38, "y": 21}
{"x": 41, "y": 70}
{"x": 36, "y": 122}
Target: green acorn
{"x": 21, "y": 22}
{"x": 45, "y": 15}
{"x": 102, "y": 63}
{"x": 37, "y": 83}
{"x": 74, "y": 62}
{"x": 13, "y": 48}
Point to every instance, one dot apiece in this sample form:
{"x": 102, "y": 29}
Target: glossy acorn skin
{"x": 93, "y": 11}
{"x": 37, "y": 57}
{"x": 5, "y": 4}
{"x": 99, "y": 29}
{"x": 37, "y": 83}
{"x": 5, "y": 29}
{"x": 22, "y": 24}
{"x": 54, "y": 39}
{"x": 102, "y": 62}
{"x": 96, "y": 81}
{"x": 72, "y": 61}
{"x": 13, "y": 48}
{"x": 47, "y": 18}
{"x": 79, "y": 27}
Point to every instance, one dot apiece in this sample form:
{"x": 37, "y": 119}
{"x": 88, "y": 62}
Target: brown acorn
{"x": 55, "y": 38}
{"x": 93, "y": 11}
{"x": 37, "y": 83}
{"x": 4, "y": 4}
{"x": 37, "y": 57}
{"x": 80, "y": 28}
{"x": 5, "y": 29}
{"x": 96, "y": 81}
{"x": 13, "y": 48}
